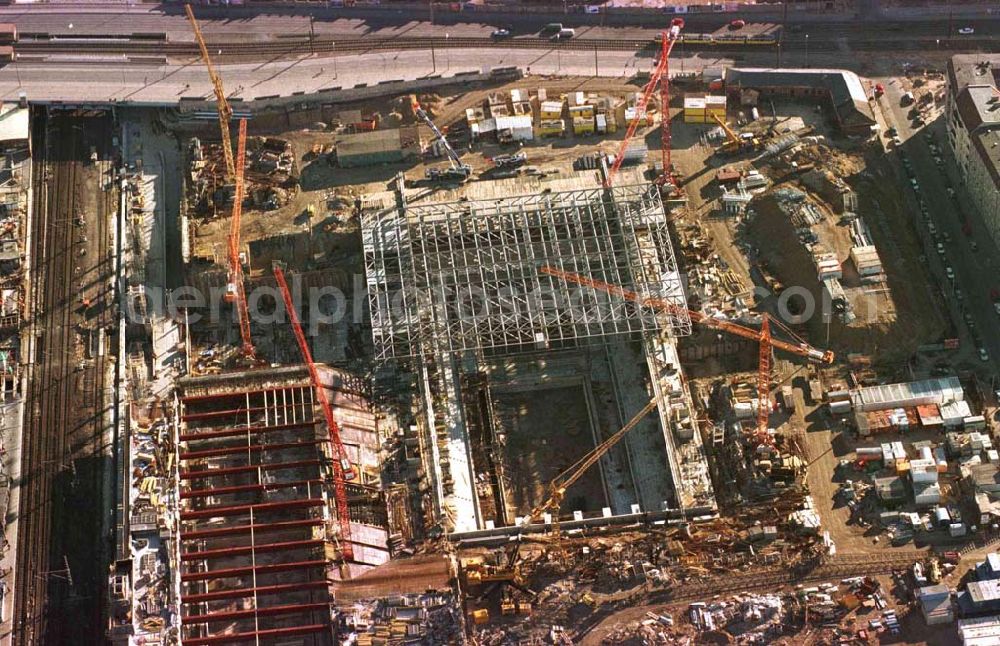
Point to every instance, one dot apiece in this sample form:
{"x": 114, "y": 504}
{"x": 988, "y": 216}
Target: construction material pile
{"x": 429, "y": 618}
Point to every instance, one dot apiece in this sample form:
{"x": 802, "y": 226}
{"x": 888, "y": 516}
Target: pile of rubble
{"x": 432, "y": 617}
{"x": 270, "y": 176}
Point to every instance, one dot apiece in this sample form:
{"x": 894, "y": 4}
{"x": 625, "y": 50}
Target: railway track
{"x": 300, "y": 46}
{"x": 291, "y": 46}
{"x": 59, "y": 591}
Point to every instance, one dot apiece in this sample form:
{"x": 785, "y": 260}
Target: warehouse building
{"x": 973, "y": 116}
{"x": 377, "y": 147}
{"x": 840, "y": 89}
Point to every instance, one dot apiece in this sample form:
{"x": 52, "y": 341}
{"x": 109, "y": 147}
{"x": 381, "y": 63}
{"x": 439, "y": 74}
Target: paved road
{"x": 104, "y": 79}
{"x": 975, "y": 271}
{"x": 245, "y": 24}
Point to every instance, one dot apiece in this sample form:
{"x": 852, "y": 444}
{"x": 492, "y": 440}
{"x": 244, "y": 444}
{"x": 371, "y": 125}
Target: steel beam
{"x": 214, "y": 473}
{"x": 246, "y": 529}
{"x": 239, "y": 432}
{"x": 235, "y": 638}
{"x": 263, "y": 507}
{"x": 260, "y": 612}
{"x": 220, "y": 491}
{"x": 247, "y": 549}
{"x": 265, "y": 590}
{"x": 236, "y": 450}
{"x": 226, "y": 573}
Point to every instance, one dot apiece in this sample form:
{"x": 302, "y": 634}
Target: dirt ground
{"x": 892, "y": 319}
{"x": 547, "y": 432}
{"x": 320, "y": 182}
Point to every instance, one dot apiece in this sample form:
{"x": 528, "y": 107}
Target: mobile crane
{"x": 225, "y": 110}
{"x": 458, "y": 170}
{"x": 763, "y": 336}
{"x": 734, "y": 142}
{"x": 661, "y": 77}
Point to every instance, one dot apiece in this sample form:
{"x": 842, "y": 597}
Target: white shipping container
{"x": 923, "y": 471}
{"x": 840, "y": 407}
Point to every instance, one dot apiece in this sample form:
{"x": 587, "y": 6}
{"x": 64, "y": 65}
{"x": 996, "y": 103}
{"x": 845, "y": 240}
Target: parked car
{"x": 983, "y": 354}
{"x": 940, "y": 249}
{"x": 966, "y": 31}
{"x": 501, "y": 33}
{"x": 974, "y": 245}
{"x": 739, "y": 23}
{"x": 950, "y": 273}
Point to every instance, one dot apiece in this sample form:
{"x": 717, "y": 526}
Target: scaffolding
{"x": 464, "y": 275}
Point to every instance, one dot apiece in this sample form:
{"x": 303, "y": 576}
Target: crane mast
{"x": 235, "y": 290}
{"x": 763, "y": 336}
{"x": 458, "y": 170}
{"x": 225, "y": 110}
{"x": 342, "y": 469}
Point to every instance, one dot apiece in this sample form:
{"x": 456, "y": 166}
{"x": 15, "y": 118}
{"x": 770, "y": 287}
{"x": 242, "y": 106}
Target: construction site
{"x": 504, "y": 358}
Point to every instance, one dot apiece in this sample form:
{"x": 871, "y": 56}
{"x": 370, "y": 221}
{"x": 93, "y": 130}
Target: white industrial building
{"x": 973, "y": 118}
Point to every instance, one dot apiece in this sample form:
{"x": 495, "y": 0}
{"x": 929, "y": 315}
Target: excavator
{"x": 734, "y": 142}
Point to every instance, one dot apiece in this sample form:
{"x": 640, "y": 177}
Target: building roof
{"x": 984, "y": 475}
{"x": 513, "y": 123}
{"x": 984, "y": 591}
{"x": 13, "y": 122}
{"x": 973, "y": 80}
{"x": 938, "y": 390}
{"x": 365, "y": 143}
{"x": 845, "y": 88}
{"x": 933, "y": 592}
{"x": 980, "y": 630}
{"x": 965, "y": 70}
{"x": 890, "y": 487}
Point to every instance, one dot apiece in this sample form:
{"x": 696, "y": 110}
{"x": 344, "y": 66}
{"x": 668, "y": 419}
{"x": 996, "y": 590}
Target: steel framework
{"x": 465, "y": 275}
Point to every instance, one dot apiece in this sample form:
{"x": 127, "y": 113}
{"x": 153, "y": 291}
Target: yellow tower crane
{"x": 225, "y": 111}
{"x": 557, "y": 488}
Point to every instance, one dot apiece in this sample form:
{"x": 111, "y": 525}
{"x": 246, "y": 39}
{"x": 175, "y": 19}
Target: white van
{"x": 565, "y": 33}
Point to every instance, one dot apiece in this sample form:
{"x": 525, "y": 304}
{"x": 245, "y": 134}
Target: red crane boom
{"x": 763, "y": 336}
{"x": 662, "y": 75}
{"x": 342, "y": 470}
{"x": 235, "y": 290}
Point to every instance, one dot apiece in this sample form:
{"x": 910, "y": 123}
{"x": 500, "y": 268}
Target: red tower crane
{"x": 235, "y": 290}
{"x": 763, "y": 337}
{"x": 661, "y": 75}
{"x": 342, "y": 469}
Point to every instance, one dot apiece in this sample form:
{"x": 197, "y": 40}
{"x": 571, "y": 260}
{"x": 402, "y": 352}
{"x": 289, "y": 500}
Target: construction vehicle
{"x": 225, "y": 110}
{"x": 661, "y": 77}
{"x": 458, "y": 170}
{"x": 342, "y": 468}
{"x": 735, "y": 142}
{"x": 235, "y": 290}
{"x": 557, "y": 487}
{"x": 763, "y": 337}
{"x": 510, "y": 161}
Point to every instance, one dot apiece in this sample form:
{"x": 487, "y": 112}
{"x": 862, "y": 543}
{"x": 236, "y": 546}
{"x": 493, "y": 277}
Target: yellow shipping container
{"x": 550, "y": 127}
{"x": 583, "y": 126}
